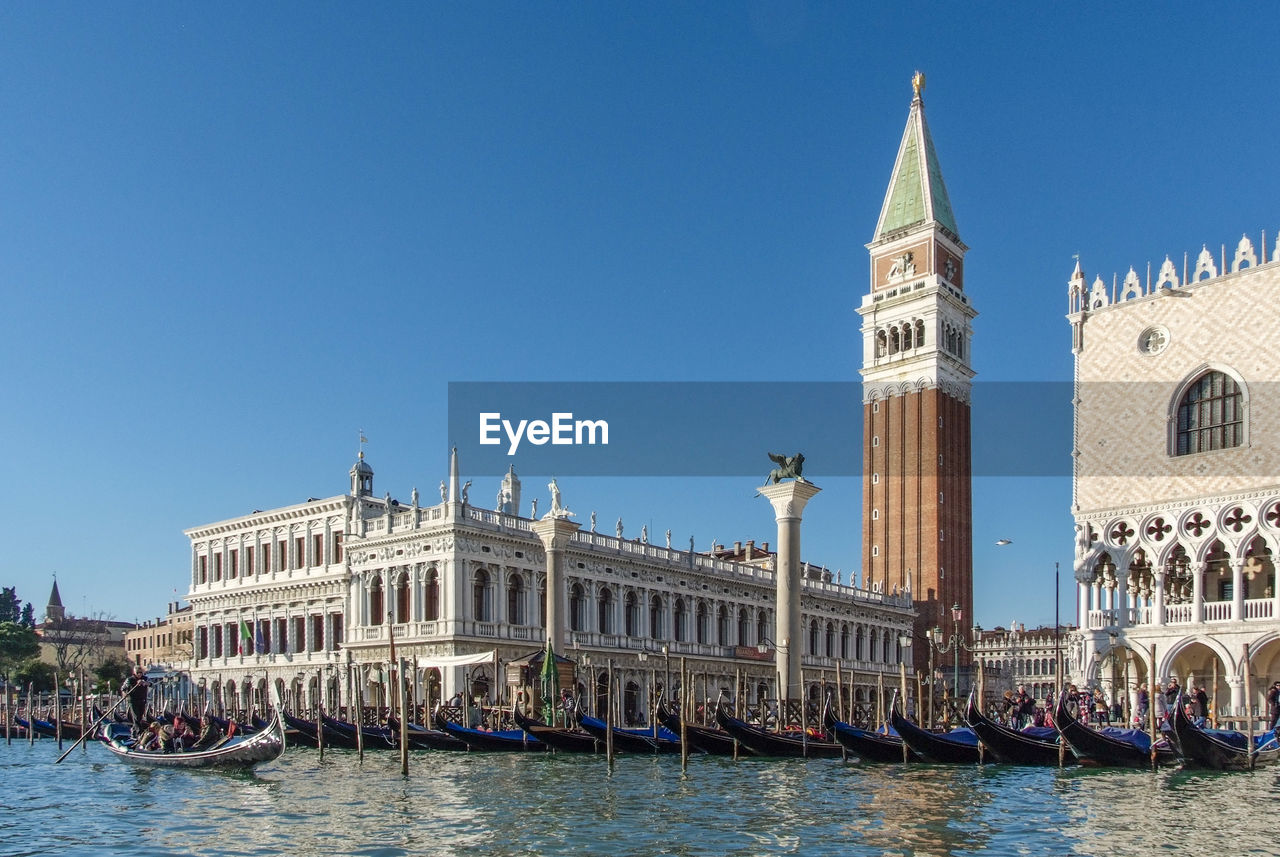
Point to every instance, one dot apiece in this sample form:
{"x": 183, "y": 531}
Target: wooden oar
{"x": 85, "y": 733}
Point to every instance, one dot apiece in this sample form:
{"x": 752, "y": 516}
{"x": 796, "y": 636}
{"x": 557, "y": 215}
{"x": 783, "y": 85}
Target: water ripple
{"x": 516, "y": 804}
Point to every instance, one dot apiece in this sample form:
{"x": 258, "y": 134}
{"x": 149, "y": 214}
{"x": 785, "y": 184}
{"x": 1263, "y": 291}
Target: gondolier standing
{"x": 137, "y": 686}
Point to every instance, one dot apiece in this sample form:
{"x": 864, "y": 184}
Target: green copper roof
{"x": 917, "y": 193}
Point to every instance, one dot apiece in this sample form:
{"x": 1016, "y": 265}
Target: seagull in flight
{"x": 1003, "y": 542}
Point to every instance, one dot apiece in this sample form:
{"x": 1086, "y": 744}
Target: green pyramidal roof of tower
{"x": 917, "y": 193}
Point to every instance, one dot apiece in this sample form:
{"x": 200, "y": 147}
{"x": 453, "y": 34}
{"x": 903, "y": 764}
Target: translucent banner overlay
{"x": 716, "y": 428}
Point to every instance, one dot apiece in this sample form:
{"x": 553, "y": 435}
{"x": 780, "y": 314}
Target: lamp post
{"x": 954, "y": 643}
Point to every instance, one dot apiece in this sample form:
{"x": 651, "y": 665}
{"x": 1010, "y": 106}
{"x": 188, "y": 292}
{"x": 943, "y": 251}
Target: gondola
{"x": 1109, "y": 747}
{"x": 1220, "y": 749}
{"x": 239, "y": 751}
{"x": 509, "y": 740}
{"x": 307, "y": 735}
{"x": 632, "y": 740}
{"x": 868, "y": 745}
{"x": 715, "y": 742}
{"x": 49, "y": 728}
{"x": 422, "y": 738}
{"x": 957, "y": 747}
{"x": 1034, "y": 746}
{"x": 762, "y": 742}
{"x": 562, "y": 740}
{"x": 375, "y": 737}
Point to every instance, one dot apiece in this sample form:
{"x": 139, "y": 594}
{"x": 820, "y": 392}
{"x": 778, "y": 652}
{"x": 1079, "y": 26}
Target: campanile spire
{"x": 916, "y": 372}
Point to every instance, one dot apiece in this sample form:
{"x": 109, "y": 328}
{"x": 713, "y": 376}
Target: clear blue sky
{"x": 232, "y": 235}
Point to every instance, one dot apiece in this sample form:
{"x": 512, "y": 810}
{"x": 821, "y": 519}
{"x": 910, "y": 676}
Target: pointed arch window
{"x": 1210, "y": 415}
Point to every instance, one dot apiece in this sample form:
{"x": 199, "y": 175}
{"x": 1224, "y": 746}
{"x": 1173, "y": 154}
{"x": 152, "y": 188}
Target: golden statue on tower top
{"x": 917, "y": 82}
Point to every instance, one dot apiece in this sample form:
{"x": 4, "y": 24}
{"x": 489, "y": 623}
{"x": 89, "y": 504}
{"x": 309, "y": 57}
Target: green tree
{"x": 28, "y": 619}
{"x": 112, "y": 670}
{"x": 10, "y": 606}
{"x": 17, "y": 644}
{"x": 35, "y": 672}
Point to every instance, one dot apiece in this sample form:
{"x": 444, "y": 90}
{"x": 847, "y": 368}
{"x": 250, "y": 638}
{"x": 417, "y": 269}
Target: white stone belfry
{"x": 788, "y": 500}
{"x": 555, "y": 534}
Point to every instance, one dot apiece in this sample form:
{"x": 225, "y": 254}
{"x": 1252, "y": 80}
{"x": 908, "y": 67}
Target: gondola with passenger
{"x": 237, "y": 751}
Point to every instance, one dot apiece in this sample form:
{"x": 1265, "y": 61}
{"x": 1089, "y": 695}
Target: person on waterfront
{"x": 1171, "y": 691}
{"x": 1026, "y": 707}
{"x": 136, "y": 687}
{"x": 1273, "y": 705}
{"x": 1189, "y": 708}
{"x": 1144, "y": 704}
{"x": 569, "y": 706}
{"x": 1202, "y": 702}
{"x": 1101, "y": 711}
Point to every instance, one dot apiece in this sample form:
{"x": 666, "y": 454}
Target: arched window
{"x": 577, "y": 608}
{"x": 604, "y": 611}
{"x": 831, "y": 639}
{"x": 1210, "y": 415}
{"x": 632, "y": 615}
{"x": 655, "y": 617}
{"x": 813, "y": 637}
{"x": 433, "y": 596}
{"x": 744, "y": 624}
{"x": 376, "y": 610}
{"x": 884, "y": 648}
{"x": 480, "y": 596}
{"x": 402, "y": 598}
{"x": 681, "y": 620}
{"x": 542, "y": 602}
{"x": 762, "y": 627}
{"x": 515, "y": 599}
{"x": 844, "y": 641}
{"x": 857, "y": 644}
{"x": 702, "y": 622}
{"x": 722, "y": 626}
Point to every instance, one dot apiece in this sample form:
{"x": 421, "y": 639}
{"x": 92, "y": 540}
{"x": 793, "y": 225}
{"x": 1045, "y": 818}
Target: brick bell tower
{"x": 917, "y": 516}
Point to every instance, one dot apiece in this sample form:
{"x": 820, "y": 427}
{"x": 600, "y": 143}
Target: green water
{"x": 536, "y": 804}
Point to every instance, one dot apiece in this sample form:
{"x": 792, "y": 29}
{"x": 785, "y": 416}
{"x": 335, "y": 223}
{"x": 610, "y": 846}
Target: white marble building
{"x": 323, "y": 587}
{"x": 1177, "y": 472}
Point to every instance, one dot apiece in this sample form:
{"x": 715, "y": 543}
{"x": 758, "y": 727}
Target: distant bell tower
{"x": 361, "y": 475}
{"x": 54, "y": 611}
{"x": 917, "y": 521}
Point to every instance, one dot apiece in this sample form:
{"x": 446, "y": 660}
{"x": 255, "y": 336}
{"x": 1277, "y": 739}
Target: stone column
{"x": 788, "y": 500}
{"x": 555, "y": 534}
{"x": 1237, "y": 590}
{"x": 1197, "y": 593}
{"x": 1157, "y": 601}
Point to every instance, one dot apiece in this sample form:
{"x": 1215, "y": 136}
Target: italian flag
{"x": 246, "y": 639}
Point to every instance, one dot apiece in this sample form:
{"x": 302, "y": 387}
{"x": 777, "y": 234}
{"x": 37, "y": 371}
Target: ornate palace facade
{"x": 1177, "y": 473}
